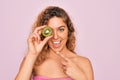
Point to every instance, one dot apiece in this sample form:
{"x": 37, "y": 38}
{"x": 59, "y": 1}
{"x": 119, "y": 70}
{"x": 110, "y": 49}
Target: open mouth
{"x": 56, "y": 44}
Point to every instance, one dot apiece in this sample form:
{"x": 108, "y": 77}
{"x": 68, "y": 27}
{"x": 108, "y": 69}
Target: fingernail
{"x": 57, "y": 52}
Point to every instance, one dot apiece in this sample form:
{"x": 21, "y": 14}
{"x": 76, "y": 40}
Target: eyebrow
{"x": 61, "y": 26}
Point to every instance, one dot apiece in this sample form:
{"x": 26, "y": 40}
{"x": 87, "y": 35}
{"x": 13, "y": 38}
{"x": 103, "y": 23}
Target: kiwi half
{"x": 47, "y": 31}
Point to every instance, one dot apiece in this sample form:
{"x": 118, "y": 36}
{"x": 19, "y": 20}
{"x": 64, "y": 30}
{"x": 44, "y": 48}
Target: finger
{"x": 61, "y": 55}
{"x": 65, "y": 58}
{"x": 32, "y": 37}
{"x": 57, "y": 52}
{"x": 46, "y": 39}
{"x": 38, "y": 37}
{"x": 64, "y": 63}
{"x": 38, "y": 29}
{"x": 64, "y": 67}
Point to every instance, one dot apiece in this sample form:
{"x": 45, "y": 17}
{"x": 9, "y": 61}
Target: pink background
{"x": 97, "y": 24}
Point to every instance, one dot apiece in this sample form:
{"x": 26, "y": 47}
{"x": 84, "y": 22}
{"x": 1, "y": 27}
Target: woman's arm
{"x": 25, "y": 71}
{"x": 88, "y": 70}
{"x": 35, "y": 45}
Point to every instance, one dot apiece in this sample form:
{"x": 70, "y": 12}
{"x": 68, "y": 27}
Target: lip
{"x": 56, "y": 44}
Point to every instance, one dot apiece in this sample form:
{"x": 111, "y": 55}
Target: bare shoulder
{"x": 81, "y": 60}
{"x": 85, "y": 64}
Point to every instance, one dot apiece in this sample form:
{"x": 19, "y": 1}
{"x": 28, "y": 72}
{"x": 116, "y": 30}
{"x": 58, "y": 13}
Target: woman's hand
{"x": 35, "y": 44}
{"x": 72, "y": 69}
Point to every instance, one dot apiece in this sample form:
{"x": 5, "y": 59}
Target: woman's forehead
{"x": 56, "y": 22}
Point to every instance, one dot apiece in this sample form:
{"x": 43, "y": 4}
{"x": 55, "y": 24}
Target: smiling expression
{"x": 60, "y": 34}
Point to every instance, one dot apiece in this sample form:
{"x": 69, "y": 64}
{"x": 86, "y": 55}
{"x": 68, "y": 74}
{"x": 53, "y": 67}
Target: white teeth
{"x": 56, "y": 42}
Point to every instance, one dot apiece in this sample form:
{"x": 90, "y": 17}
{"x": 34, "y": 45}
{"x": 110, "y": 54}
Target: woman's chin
{"x": 57, "y": 49}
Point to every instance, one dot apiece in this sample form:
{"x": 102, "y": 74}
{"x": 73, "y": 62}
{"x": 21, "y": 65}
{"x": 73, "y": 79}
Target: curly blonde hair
{"x": 43, "y": 19}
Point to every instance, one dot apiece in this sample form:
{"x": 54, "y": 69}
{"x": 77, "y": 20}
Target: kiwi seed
{"x": 47, "y": 31}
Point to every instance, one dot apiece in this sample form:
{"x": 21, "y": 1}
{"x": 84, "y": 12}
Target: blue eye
{"x": 61, "y": 30}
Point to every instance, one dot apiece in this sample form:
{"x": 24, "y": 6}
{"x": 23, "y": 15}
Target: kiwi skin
{"x": 45, "y": 33}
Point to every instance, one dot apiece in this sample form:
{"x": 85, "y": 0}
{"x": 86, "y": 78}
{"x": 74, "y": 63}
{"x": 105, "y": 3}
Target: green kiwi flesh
{"x": 47, "y": 31}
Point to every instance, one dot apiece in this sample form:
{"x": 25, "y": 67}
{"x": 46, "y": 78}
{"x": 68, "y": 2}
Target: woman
{"x": 53, "y": 57}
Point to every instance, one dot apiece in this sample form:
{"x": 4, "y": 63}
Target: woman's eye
{"x": 61, "y": 30}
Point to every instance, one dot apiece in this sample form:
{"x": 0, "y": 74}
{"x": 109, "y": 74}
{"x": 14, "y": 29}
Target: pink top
{"x": 46, "y": 78}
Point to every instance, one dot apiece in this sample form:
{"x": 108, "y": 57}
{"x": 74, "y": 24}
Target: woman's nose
{"x": 55, "y": 35}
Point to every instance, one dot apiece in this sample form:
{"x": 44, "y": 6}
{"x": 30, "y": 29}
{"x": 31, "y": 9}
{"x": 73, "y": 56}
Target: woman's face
{"x": 60, "y": 34}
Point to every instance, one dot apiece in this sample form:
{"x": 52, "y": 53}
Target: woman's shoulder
{"x": 81, "y": 61}
{"x": 84, "y": 63}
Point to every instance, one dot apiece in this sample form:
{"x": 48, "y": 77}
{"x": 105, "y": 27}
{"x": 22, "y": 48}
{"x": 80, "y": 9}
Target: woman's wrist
{"x": 31, "y": 56}
{"x": 29, "y": 53}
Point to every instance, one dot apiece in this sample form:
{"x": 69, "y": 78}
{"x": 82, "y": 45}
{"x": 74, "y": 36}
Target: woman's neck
{"x": 53, "y": 54}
